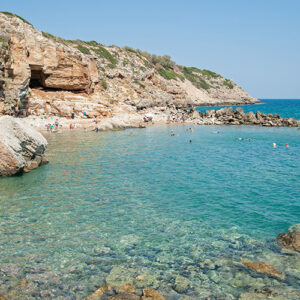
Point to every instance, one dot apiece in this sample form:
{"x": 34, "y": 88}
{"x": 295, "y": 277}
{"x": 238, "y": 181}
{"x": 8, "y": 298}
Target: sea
{"x": 177, "y": 213}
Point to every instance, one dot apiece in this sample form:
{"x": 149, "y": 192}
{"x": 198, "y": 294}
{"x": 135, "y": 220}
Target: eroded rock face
{"x": 290, "y": 240}
{"x": 21, "y": 148}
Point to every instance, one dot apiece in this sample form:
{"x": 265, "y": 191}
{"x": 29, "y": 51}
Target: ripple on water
{"x": 153, "y": 210}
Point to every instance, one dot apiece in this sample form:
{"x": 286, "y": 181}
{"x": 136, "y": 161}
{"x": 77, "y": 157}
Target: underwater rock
{"x": 126, "y": 288}
{"x": 125, "y": 296}
{"x": 146, "y": 279}
{"x": 151, "y": 294}
{"x": 263, "y": 268}
{"x": 119, "y": 276}
{"x": 294, "y": 227}
{"x": 290, "y": 240}
{"x": 181, "y": 284}
{"x": 99, "y": 292}
{"x": 101, "y": 251}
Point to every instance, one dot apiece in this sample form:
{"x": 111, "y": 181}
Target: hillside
{"x": 44, "y": 74}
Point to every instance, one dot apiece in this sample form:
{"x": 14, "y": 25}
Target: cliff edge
{"x": 43, "y": 74}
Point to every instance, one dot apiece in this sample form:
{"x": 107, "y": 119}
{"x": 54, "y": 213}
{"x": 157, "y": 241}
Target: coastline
{"x": 161, "y": 115}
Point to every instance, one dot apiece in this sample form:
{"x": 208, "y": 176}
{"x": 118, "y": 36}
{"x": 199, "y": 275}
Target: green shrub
{"x": 210, "y": 74}
{"x": 48, "y": 35}
{"x": 228, "y": 83}
{"x": 102, "y": 52}
{"x": 125, "y": 62}
{"x": 147, "y": 63}
{"x": 195, "y": 79}
{"x": 14, "y": 15}
{"x": 4, "y": 44}
{"x": 92, "y": 43}
{"x": 139, "y": 83}
{"x": 83, "y": 49}
{"x": 129, "y": 49}
{"x": 104, "y": 84}
{"x": 169, "y": 74}
{"x": 164, "y": 61}
{"x": 112, "y": 66}
{"x": 55, "y": 38}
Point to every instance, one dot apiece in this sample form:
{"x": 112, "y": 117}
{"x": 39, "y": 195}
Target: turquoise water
{"x": 111, "y": 206}
{"x": 289, "y": 108}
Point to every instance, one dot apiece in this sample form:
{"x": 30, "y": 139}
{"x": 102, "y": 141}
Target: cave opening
{"x": 37, "y": 78}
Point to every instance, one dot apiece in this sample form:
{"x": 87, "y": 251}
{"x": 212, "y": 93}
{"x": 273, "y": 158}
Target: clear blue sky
{"x": 254, "y": 42}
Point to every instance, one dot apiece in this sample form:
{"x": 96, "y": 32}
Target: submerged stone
{"x": 151, "y": 294}
{"x": 119, "y": 276}
{"x": 264, "y": 268}
{"x": 290, "y": 240}
{"x": 181, "y": 284}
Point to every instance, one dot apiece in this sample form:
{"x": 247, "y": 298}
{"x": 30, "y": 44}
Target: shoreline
{"x": 159, "y": 116}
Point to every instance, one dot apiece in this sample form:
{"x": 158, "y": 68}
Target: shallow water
{"x": 111, "y": 206}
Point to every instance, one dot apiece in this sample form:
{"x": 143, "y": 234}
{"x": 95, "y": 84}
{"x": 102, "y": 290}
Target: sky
{"x": 256, "y": 43}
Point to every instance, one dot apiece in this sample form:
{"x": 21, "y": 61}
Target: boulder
{"x": 239, "y": 111}
{"x": 21, "y": 148}
{"x": 259, "y": 117}
{"x": 210, "y": 113}
{"x": 290, "y": 240}
{"x": 250, "y": 118}
{"x": 227, "y": 111}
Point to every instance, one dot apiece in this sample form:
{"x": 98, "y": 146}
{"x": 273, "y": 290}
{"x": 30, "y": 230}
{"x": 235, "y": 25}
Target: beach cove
{"x": 154, "y": 210}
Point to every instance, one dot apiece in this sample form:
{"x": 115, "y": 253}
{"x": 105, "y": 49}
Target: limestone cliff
{"x": 43, "y": 74}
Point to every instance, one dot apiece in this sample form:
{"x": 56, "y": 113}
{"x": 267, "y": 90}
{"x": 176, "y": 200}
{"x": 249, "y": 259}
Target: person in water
{"x": 172, "y": 133}
{"x": 274, "y": 145}
{"x": 190, "y": 141}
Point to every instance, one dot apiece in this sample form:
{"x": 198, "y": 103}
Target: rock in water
{"x": 290, "y": 240}
{"x": 151, "y": 294}
{"x": 21, "y": 148}
{"x": 263, "y": 268}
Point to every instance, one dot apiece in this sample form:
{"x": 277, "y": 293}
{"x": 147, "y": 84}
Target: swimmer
{"x": 274, "y": 145}
{"x": 190, "y": 141}
{"x": 287, "y": 145}
{"x": 131, "y": 132}
{"x": 239, "y": 139}
{"x": 172, "y": 133}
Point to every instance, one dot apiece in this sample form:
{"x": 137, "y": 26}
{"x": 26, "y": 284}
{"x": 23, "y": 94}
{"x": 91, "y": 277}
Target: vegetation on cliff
{"x": 109, "y": 73}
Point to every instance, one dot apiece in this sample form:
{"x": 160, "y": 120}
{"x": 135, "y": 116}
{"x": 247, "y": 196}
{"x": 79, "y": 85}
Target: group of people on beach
{"x": 53, "y": 126}
{"x": 175, "y": 119}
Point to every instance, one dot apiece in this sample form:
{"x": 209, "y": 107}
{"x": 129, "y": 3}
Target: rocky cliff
{"x": 44, "y": 74}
